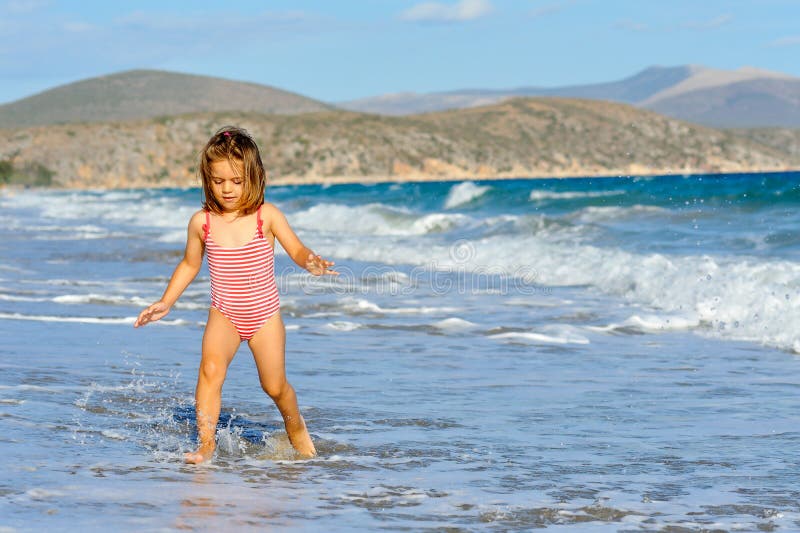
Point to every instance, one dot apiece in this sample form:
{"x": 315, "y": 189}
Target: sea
{"x": 598, "y": 354}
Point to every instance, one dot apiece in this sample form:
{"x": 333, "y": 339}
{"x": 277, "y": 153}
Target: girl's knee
{"x": 275, "y": 388}
{"x": 212, "y": 372}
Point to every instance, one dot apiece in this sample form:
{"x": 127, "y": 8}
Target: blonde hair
{"x": 237, "y": 147}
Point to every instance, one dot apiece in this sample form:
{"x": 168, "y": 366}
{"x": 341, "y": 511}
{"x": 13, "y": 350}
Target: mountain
{"x": 752, "y": 103}
{"x": 138, "y": 94}
{"x": 520, "y": 137}
{"x": 630, "y": 90}
{"x": 746, "y": 97}
{"x": 742, "y": 98}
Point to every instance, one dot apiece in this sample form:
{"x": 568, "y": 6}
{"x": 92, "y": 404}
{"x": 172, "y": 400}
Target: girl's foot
{"x": 301, "y": 441}
{"x": 200, "y": 455}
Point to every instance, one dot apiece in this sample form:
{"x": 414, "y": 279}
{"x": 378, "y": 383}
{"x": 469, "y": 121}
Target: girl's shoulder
{"x": 269, "y": 210}
{"x": 198, "y": 216}
{"x": 197, "y": 221}
{"x": 271, "y": 217}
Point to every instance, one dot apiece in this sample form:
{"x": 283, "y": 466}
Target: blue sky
{"x": 337, "y": 50}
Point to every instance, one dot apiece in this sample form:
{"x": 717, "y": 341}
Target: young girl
{"x": 237, "y": 230}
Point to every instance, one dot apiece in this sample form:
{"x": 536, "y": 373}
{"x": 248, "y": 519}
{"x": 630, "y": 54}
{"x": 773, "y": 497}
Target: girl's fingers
{"x": 146, "y": 316}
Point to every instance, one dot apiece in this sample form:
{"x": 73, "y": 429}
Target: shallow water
{"x": 503, "y": 356}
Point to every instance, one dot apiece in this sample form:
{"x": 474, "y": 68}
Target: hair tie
{"x": 226, "y": 133}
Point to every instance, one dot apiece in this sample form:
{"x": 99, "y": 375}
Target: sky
{"x": 337, "y": 50}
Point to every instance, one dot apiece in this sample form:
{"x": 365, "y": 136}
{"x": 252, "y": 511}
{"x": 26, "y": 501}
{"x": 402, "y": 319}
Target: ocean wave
{"x": 732, "y": 297}
{"x": 594, "y": 214}
{"x": 374, "y": 219}
{"x": 152, "y": 209}
{"x": 454, "y": 325}
{"x": 102, "y": 299}
{"x": 343, "y": 325}
{"x": 361, "y": 306}
{"x": 464, "y": 193}
{"x": 554, "y": 334}
{"x": 128, "y": 320}
{"x": 15, "y": 298}
{"x": 652, "y": 323}
{"x": 99, "y": 299}
{"x": 543, "y": 194}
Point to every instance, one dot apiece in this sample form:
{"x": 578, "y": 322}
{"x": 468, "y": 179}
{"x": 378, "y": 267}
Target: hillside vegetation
{"x": 524, "y": 137}
{"x": 140, "y": 94}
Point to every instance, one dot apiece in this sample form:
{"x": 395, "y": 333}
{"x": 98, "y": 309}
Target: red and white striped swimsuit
{"x": 243, "y": 284}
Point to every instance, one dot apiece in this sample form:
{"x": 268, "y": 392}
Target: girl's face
{"x": 227, "y": 184}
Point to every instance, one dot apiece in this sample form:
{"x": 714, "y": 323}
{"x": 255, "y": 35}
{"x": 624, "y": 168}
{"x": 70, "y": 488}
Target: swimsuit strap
{"x": 206, "y": 227}
{"x": 259, "y": 222}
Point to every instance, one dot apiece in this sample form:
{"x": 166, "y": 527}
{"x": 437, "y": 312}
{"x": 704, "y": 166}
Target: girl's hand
{"x": 157, "y": 311}
{"x": 319, "y": 266}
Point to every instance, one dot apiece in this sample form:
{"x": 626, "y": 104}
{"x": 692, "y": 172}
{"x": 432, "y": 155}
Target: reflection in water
{"x": 198, "y": 511}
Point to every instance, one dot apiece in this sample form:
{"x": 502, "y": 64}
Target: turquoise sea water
{"x": 614, "y": 354}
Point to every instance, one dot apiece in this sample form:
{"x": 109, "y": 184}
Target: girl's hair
{"x": 237, "y": 147}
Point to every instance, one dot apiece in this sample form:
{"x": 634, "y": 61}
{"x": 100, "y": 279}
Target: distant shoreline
{"x": 345, "y": 180}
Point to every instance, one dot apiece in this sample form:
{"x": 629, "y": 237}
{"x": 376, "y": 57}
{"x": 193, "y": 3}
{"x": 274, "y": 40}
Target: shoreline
{"x": 347, "y": 180}
{"x": 420, "y": 178}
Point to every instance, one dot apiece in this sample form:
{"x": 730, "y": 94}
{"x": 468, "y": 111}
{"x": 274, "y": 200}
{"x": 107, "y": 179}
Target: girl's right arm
{"x": 184, "y": 273}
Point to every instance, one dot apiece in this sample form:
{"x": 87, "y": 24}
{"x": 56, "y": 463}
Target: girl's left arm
{"x": 299, "y": 252}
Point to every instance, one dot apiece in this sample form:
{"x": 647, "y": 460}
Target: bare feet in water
{"x": 301, "y": 440}
{"x": 200, "y": 455}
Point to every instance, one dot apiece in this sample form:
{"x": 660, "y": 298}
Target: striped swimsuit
{"x": 243, "y": 284}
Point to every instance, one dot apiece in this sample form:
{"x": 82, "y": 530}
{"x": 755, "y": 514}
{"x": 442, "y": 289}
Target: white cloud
{"x": 437, "y": 12}
{"x": 792, "y": 40}
{"x": 77, "y": 27}
{"x": 546, "y": 10}
{"x": 219, "y": 23}
{"x": 23, "y": 6}
{"x": 711, "y": 24}
{"x": 631, "y": 25}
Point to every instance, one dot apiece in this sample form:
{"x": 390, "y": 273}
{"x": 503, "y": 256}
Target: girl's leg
{"x": 220, "y": 342}
{"x": 269, "y": 349}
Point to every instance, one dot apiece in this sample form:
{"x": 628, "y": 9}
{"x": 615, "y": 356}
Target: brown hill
{"x": 524, "y": 137}
{"x": 138, "y": 94}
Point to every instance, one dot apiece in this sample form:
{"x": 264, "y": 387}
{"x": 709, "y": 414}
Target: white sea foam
{"x": 343, "y": 325}
{"x": 85, "y": 319}
{"x": 11, "y": 401}
{"x": 13, "y": 298}
{"x": 555, "y": 334}
{"x": 435, "y": 223}
{"x": 137, "y": 208}
{"x": 10, "y": 268}
{"x": 464, "y": 193}
{"x": 68, "y": 282}
{"x": 173, "y": 236}
{"x": 95, "y": 298}
{"x": 360, "y": 305}
{"x": 374, "y": 219}
{"x": 38, "y": 493}
{"x": 654, "y": 323}
{"x": 454, "y": 324}
{"x": 733, "y": 297}
{"x": 595, "y": 214}
{"x": 114, "y": 299}
{"x": 537, "y": 194}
